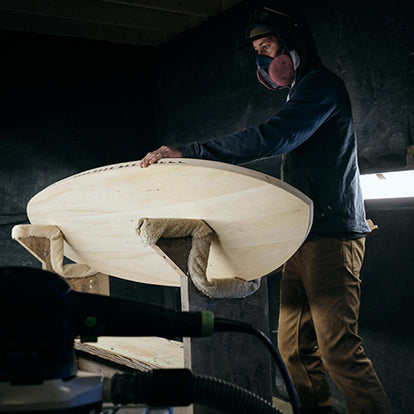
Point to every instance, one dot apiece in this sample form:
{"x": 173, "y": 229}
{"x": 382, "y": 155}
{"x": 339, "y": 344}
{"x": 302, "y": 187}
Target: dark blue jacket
{"x": 314, "y": 128}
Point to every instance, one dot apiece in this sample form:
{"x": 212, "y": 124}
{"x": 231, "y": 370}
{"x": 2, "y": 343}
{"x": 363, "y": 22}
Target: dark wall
{"x": 388, "y": 268}
{"x": 67, "y": 105}
{"x": 387, "y": 313}
{"x": 369, "y": 44}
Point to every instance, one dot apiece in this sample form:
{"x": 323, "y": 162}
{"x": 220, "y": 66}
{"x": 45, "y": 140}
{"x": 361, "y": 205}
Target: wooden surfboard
{"x": 259, "y": 221}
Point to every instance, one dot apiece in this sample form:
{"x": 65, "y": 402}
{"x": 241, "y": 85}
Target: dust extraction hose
{"x": 180, "y": 387}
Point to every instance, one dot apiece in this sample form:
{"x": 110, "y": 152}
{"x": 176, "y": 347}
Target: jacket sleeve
{"x": 312, "y": 102}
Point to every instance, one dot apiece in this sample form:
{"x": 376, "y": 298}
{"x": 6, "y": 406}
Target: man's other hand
{"x": 162, "y": 152}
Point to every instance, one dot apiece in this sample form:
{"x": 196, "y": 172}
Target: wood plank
{"x": 141, "y": 353}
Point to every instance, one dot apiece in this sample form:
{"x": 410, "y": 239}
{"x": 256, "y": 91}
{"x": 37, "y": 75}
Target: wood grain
{"x": 259, "y": 220}
{"x": 138, "y": 353}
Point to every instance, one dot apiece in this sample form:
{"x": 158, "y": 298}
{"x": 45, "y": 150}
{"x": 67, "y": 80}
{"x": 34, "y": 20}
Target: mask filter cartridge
{"x": 276, "y": 72}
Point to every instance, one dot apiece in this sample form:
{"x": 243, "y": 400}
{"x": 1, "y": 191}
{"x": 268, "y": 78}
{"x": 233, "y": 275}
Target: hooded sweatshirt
{"x": 314, "y": 128}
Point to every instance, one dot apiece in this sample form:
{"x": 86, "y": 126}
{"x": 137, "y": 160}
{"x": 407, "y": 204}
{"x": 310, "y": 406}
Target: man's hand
{"x": 162, "y": 152}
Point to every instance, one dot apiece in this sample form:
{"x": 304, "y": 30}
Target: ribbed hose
{"x": 226, "y": 325}
{"x": 229, "y": 398}
{"x": 180, "y": 387}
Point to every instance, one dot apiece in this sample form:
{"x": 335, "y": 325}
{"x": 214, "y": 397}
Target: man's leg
{"x": 332, "y": 286}
{"x": 297, "y": 341}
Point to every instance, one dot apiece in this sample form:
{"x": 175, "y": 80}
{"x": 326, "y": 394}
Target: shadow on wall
{"x": 68, "y": 105}
{"x": 387, "y": 272}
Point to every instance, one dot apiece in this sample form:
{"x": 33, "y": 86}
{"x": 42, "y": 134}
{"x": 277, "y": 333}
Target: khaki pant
{"x": 318, "y": 328}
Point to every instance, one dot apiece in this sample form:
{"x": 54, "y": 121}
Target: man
{"x": 320, "y": 286}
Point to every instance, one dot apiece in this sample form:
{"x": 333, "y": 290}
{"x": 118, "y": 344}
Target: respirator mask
{"x": 275, "y": 72}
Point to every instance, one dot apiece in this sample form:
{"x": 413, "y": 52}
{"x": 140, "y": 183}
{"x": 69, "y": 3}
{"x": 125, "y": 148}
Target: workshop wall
{"x": 208, "y": 88}
{"x": 67, "y": 105}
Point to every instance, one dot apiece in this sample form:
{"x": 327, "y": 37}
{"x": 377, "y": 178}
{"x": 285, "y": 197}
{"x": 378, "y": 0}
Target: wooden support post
{"x": 234, "y": 357}
{"x": 97, "y": 283}
{"x": 40, "y": 247}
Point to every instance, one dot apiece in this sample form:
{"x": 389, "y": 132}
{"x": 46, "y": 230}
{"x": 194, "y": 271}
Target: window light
{"x": 388, "y": 185}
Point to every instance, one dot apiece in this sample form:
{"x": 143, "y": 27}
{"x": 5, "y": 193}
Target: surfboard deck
{"x": 259, "y": 221}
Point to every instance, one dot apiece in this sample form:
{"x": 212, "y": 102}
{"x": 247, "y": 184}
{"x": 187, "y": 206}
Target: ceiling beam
{"x": 87, "y": 30}
{"x": 138, "y": 22}
{"x": 204, "y": 8}
{"x": 104, "y": 13}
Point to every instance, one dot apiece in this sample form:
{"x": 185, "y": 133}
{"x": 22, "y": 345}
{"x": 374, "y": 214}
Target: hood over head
{"x": 293, "y": 35}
